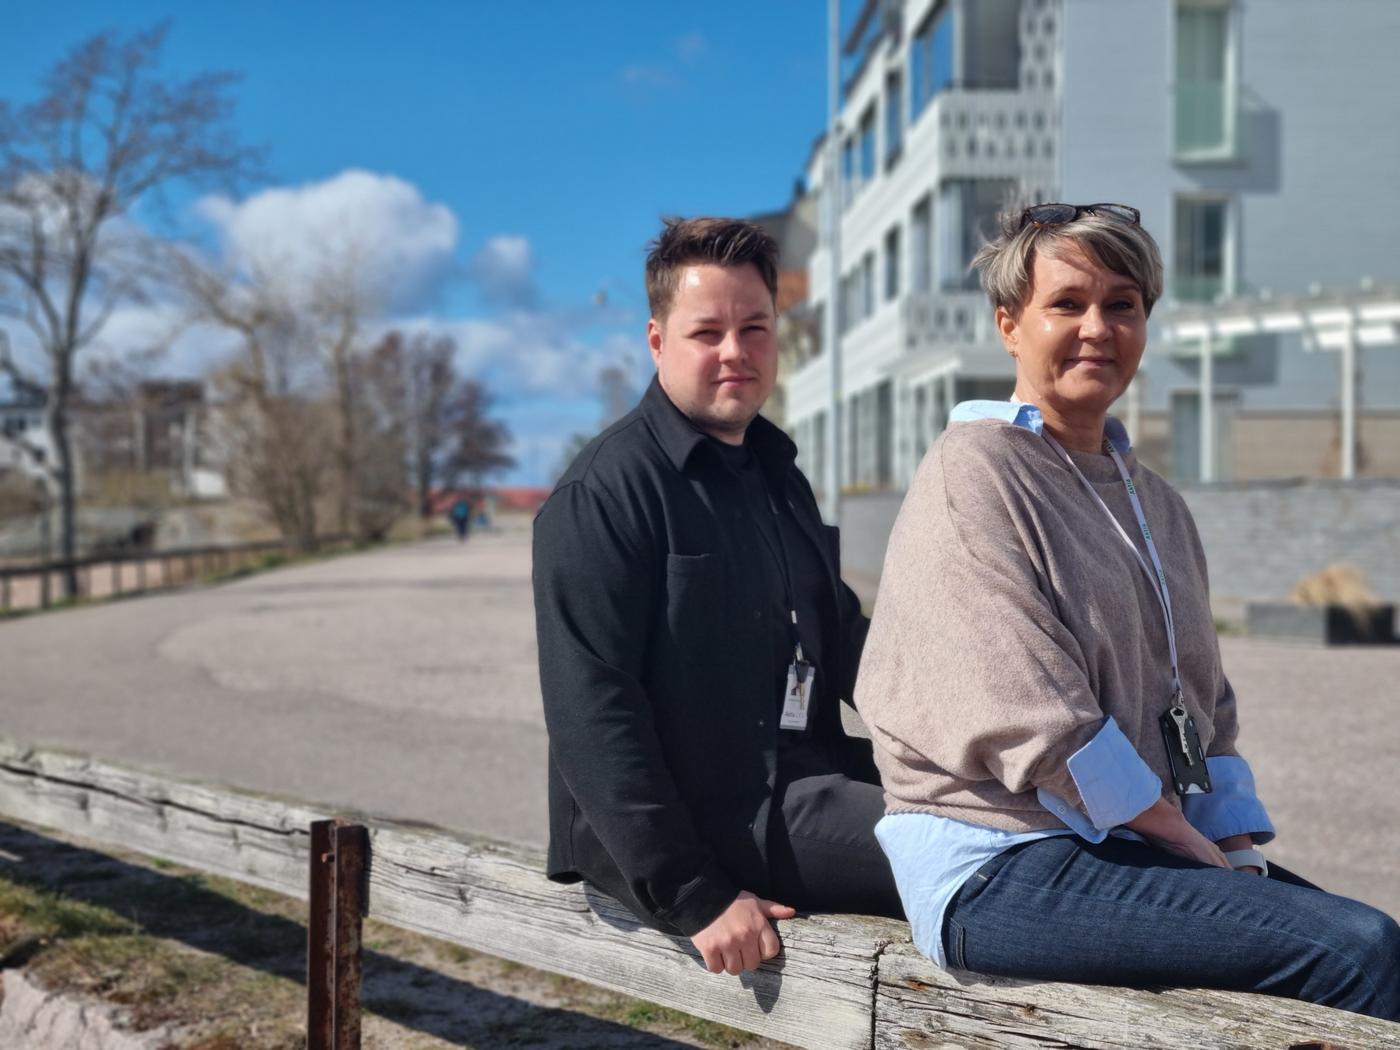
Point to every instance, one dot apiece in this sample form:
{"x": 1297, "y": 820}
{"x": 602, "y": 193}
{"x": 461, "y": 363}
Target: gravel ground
{"x": 403, "y": 682}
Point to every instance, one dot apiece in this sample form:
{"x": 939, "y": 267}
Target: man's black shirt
{"x": 664, "y": 641}
{"x": 795, "y": 580}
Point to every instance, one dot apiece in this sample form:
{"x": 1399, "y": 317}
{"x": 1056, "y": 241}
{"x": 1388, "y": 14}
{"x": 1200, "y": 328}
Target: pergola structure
{"x": 1326, "y": 321}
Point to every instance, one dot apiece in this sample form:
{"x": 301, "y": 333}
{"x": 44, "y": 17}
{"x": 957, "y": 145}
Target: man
{"x": 696, "y": 639}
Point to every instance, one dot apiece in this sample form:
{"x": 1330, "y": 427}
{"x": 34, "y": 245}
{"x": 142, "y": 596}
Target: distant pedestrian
{"x": 461, "y": 518}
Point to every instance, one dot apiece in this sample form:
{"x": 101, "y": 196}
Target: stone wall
{"x": 1261, "y": 537}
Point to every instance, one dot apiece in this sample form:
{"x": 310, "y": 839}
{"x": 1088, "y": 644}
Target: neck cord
{"x": 1157, "y": 579}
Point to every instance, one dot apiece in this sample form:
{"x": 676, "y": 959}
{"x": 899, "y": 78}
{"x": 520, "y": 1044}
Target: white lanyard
{"x": 1157, "y": 579}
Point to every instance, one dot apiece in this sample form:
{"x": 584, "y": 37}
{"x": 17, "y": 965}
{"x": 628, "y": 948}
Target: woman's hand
{"x": 1163, "y": 825}
{"x": 1235, "y": 842}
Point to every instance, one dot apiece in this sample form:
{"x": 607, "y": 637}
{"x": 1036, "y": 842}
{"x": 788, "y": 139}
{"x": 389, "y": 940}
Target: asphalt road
{"x": 402, "y": 682}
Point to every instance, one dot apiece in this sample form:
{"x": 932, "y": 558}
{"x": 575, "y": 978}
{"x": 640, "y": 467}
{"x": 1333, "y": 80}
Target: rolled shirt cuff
{"x": 1113, "y": 781}
{"x": 1232, "y": 807}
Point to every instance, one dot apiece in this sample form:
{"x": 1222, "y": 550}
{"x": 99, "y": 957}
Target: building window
{"x": 867, "y": 283}
{"x": 1205, "y": 95}
{"x": 867, "y": 145}
{"x": 894, "y": 118}
{"x": 884, "y": 435}
{"x": 931, "y": 59}
{"x": 967, "y": 218}
{"x": 892, "y": 263}
{"x": 921, "y": 246}
{"x": 853, "y": 442}
{"x": 1200, "y": 255}
{"x": 848, "y": 171}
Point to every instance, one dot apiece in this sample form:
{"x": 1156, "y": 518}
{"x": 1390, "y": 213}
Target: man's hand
{"x": 1163, "y": 825}
{"x": 742, "y": 937}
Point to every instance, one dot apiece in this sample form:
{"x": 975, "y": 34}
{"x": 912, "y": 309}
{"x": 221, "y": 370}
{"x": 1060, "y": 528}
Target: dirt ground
{"x": 224, "y": 964}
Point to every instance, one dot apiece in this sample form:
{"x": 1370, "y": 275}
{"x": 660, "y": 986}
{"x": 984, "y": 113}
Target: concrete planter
{"x": 1320, "y": 624}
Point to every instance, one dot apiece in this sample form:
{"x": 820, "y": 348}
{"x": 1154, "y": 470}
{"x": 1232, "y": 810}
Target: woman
{"x": 1043, "y": 685}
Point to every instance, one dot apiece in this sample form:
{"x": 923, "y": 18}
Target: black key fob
{"x": 1184, "y": 753}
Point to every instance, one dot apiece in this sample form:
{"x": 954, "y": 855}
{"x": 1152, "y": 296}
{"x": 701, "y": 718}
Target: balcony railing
{"x": 933, "y": 318}
{"x": 1207, "y": 124}
{"x": 992, "y": 133}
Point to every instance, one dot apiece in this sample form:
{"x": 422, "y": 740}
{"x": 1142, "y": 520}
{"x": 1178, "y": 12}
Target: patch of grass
{"x": 29, "y": 913}
{"x": 637, "y": 1013}
{"x": 111, "y": 947}
{"x": 222, "y": 962}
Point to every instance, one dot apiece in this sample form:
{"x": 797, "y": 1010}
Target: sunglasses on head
{"x": 1060, "y": 214}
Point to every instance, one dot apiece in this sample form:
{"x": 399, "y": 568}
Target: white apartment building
{"x": 1259, "y": 138}
{"x": 23, "y": 428}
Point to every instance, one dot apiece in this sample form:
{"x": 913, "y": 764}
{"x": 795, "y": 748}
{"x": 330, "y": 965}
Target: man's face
{"x": 716, "y": 353}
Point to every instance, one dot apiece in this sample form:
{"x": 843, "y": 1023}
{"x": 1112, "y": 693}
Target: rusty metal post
{"x": 339, "y": 851}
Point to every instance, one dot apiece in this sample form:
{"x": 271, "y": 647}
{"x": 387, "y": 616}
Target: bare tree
{"x": 107, "y": 131}
{"x": 272, "y": 419}
{"x": 423, "y": 364}
{"x": 339, "y": 299}
{"x": 478, "y": 442}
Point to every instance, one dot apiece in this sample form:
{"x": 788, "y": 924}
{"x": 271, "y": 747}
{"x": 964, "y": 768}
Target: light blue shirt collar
{"x": 1028, "y": 417}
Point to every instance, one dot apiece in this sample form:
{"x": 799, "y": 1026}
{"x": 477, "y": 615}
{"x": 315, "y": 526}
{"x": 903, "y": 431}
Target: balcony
{"x": 991, "y": 134}
{"x": 947, "y": 319}
{"x": 1206, "y": 123}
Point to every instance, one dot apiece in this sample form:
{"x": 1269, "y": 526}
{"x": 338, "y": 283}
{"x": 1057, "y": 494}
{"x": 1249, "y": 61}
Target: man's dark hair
{"x": 723, "y": 242}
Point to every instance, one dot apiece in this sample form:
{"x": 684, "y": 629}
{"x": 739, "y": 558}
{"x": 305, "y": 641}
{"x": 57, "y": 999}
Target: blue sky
{"x": 528, "y": 149}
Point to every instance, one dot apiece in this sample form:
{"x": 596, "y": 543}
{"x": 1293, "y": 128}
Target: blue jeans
{"x": 1126, "y": 913}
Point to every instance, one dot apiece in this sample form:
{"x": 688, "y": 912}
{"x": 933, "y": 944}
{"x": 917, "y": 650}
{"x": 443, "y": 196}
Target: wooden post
{"x": 337, "y": 904}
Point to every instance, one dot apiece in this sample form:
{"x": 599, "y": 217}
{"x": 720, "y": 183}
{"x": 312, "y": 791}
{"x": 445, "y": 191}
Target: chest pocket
{"x": 694, "y": 604}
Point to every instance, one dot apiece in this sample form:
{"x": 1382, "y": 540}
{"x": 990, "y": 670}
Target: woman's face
{"x": 1079, "y": 337}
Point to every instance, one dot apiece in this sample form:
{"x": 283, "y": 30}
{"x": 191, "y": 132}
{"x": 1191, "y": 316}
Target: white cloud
{"x": 533, "y": 353}
{"x": 691, "y": 47}
{"x": 401, "y": 244}
{"x": 644, "y": 75}
{"x": 503, "y": 270}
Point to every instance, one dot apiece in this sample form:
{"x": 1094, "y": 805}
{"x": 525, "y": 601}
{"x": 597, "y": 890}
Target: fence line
{"x": 841, "y": 983}
{"x": 153, "y": 570}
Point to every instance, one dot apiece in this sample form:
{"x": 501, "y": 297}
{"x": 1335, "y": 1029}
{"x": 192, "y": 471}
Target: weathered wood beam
{"x": 477, "y": 893}
{"x": 919, "y": 1006}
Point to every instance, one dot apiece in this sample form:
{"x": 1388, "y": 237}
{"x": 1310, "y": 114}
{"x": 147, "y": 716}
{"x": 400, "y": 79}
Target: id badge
{"x": 797, "y": 695}
{"x": 1184, "y": 752}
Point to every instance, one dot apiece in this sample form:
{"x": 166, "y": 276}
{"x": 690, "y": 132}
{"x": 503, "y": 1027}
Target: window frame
{"x": 1228, "y": 248}
{"x": 1230, "y": 149}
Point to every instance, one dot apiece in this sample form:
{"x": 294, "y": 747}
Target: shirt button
{"x": 758, "y": 614}
{"x": 762, "y": 723}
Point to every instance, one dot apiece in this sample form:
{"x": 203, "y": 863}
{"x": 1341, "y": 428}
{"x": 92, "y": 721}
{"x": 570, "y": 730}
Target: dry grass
{"x": 224, "y": 963}
{"x": 1343, "y": 585}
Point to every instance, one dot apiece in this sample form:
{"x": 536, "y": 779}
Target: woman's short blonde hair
{"x": 1007, "y": 263}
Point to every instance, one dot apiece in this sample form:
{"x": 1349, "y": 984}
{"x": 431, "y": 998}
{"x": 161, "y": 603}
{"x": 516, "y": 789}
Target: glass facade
{"x": 1200, "y": 228}
{"x": 931, "y": 59}
{"x": 1204, "y": 104}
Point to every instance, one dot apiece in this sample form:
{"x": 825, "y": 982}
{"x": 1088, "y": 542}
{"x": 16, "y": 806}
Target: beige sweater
{"x": 1012, "y": 618}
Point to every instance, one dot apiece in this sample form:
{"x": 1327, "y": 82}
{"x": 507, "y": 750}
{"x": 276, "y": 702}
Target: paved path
{"x": 403, "y": 682}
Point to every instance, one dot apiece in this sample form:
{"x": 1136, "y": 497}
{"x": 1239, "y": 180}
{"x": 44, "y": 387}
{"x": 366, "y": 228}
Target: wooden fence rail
{"x": 137, "y": 571}
{"x": 841, "y": 983}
